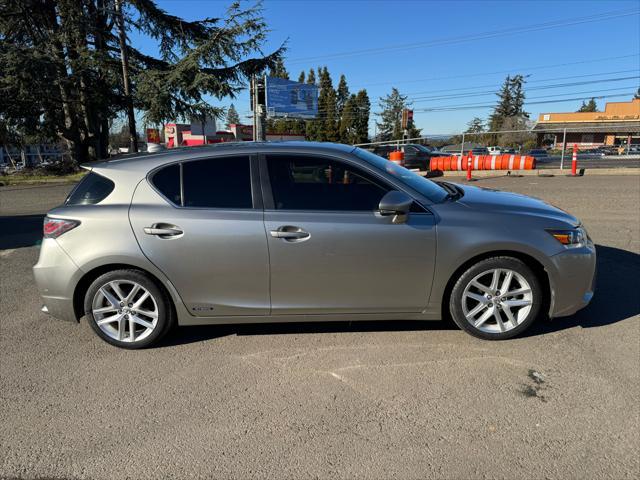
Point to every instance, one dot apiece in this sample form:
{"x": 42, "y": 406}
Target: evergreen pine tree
{"x": 503, "y": 108}
{"x": 361, "y": 120}
{"x": 347, "y": 120}
{"x": 312, "y": 127}
{"x": 589, "y": 106}
{"x": 342, "y": 93}
{"x": 390, "y": 125}
{"x": 64, "y": 79}
{"x": 301, "y": 77}
{"x": 476, "y": 125}
{"x": 279, "y": 70}
{"x": 327, "y": 108}
{"x": 311, "y": 78}
{"x": 516, "y": 87}
{"x": 232, "y": 116}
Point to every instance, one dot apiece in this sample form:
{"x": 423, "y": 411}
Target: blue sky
{"x": 441, "y": 50}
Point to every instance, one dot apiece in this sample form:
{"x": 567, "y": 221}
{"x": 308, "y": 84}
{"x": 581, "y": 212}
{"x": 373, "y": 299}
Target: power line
{"x": 493, "y": 92}
{"x": 541, "y": 87}
{"x": 588, "y": 95}
{"x": 519, "y": 69}
{"x": 468, "y": 107}
{"x": 480, "y": 36}
{"x": 529, "y": 82}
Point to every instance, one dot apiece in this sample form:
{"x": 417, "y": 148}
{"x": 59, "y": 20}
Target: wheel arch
{"x": 87, "y": 279}
{"x": 536, "y": 266}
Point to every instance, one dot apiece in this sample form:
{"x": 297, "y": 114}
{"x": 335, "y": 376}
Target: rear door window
{"x": 92, "y": 189}
{"x": 221, "y": 182}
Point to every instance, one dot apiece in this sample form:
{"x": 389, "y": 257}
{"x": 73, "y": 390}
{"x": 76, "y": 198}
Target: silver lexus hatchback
{"x": 298, "y": 232}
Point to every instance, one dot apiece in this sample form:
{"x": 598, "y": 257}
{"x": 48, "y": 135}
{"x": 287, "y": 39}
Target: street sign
{"x": 285, "y": 98}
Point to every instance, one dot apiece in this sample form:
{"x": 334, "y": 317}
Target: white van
{"x": 494, "y": 150}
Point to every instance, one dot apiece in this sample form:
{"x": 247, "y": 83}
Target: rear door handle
{"x": 290, "y": 233}
{"x": 163, "y": 230}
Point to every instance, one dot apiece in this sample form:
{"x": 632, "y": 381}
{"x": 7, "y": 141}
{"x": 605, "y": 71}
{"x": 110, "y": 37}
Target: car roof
{"x": 145, "y": 162}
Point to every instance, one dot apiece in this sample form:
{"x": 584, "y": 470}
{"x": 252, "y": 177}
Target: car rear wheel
{"x": 497, "y": 298}
{"x": 127, "y": 309}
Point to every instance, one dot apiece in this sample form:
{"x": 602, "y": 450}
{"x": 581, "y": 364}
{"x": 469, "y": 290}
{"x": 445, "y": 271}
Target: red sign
{"x": 153, "y": 135}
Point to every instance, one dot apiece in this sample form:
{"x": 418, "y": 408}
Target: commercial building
{"x": 618, "y": 125}
{"x": 178, "y": 134}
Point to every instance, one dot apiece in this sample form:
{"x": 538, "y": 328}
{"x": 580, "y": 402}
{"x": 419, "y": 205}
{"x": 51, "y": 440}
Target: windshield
{"x": 429, "y": 189}
{"x": 423, "y": 148}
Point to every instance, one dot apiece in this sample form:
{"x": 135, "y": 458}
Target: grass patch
{"x": 34, "y": 179}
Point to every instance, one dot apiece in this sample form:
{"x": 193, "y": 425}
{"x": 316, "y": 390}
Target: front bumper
{"x": 572, "y": 280}
{"x": 55, "y": 275}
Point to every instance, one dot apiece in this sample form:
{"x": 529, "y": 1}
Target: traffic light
{"x": 407, "y": 116}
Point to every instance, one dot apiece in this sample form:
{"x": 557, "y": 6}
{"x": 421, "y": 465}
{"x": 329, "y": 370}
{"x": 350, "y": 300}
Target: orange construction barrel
{"x": 397, "y": 157}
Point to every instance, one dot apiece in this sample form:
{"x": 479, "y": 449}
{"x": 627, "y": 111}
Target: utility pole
{"x": 564, "y": 146}
{"x": 258, "y": 111}
{"x": 124, "y": 58}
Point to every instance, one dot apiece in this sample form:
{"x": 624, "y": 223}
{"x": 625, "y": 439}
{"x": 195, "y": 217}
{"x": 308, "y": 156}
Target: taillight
{"x": 54, "y": 227}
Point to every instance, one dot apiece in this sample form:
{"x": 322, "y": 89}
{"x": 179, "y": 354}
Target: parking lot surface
{"x": 590, "y": 161}
{"x": 368, "y": 400}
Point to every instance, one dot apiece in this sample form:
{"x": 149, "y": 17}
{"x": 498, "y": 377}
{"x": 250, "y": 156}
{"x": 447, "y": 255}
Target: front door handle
{"x": 290, "y": 233}
{"x": 163, "y": 230}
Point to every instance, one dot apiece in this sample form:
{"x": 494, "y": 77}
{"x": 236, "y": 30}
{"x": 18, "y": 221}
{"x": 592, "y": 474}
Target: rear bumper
{"x": 573, "y": 281}
{"x": 55, "y": 275}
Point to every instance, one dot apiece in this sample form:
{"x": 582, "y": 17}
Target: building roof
{"x": 589, "y": 127}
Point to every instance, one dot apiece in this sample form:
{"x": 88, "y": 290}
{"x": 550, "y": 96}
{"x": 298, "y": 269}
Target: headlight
{"x": 570, "y": 238}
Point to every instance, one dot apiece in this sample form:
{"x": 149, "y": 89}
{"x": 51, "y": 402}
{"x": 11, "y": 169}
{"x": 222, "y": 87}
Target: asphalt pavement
{"x": 590, "y": 161}
{"x": 369, "y": 400}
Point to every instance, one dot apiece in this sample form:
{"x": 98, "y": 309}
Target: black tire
{"x": 166, "y": 317}
{"x": 507, "y": 263}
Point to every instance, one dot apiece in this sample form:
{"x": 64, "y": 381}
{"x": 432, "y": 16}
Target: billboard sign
{"x": 285, "y": 98}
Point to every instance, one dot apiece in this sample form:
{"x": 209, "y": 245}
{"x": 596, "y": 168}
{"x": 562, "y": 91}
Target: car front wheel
{"x": 497, "y": 298}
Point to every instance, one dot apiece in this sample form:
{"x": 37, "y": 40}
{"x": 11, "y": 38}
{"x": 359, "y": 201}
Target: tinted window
{"x": 223, "y": 182}
{"x": 92, "y": 189}
{"x": 167, "y": 181}
{"x": 310, "y": 183}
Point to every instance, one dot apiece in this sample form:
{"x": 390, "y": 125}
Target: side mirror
{"x": 397, "y": 204}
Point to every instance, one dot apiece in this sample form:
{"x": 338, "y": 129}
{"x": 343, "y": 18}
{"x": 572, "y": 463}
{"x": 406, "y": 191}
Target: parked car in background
{"x": 480, "y": 151}
{"x": 302, "y": 231}
{"x": 608, "y": 150}
{"x": 416, "y": 156}
{"x": 595, "y": 152}
{"x": 495, "y": 150}
{"x": 540, "y": 154}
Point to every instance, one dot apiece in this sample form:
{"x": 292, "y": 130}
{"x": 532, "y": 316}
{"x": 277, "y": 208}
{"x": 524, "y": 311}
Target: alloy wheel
{"x": 125, "y": 311}
{"x": 497, "y": 300}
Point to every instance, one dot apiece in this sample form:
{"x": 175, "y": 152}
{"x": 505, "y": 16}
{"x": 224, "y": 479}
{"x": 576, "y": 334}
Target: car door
{"x": 331, "y": 251}
{"x": 201, "y": 223}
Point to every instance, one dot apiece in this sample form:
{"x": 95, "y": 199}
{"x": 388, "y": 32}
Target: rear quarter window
{"x": 92, "y": 189}
{"x": 167, "y": 182}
